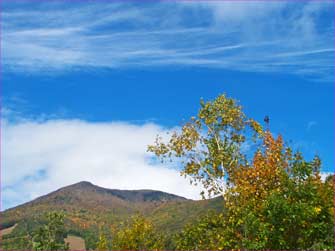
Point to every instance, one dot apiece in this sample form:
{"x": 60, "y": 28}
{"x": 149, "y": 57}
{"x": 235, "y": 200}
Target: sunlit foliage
{"x": 51, "y": 235}
{"x": 274, "y": 199}
{"x": 102, "y": 243}
{"x": 205, "y": 234}
{"x": 137, "y": 234}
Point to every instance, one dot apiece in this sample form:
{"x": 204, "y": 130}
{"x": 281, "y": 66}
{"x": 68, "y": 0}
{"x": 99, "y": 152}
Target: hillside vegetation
{"x": 90, "y": 209}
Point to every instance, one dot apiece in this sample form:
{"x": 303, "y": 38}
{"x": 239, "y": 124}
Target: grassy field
{"x": 8, "y": 230}
{"x": 75, "y": 242}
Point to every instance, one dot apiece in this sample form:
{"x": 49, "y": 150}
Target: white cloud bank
{"x": 39, "y": 157}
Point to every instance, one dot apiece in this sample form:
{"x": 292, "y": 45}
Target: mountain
{"x": 91, "y": 197}
{"x": 90, "y": 208}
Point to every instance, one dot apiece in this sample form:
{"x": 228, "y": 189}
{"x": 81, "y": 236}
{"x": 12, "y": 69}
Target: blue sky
{"x": 98, "y": 73}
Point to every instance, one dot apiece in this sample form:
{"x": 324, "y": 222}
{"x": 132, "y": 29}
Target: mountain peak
{"x": 141, "y": 195}
{"x": 83, "y": 183}
{"x": 86, "y": 195}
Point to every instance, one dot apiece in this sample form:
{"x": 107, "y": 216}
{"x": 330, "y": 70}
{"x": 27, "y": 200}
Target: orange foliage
{"x": 255, "y": 180}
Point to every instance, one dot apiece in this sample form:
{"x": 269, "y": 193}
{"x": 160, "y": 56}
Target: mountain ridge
{"x": 88, "y": 207}
{"x": 124, "y": 194}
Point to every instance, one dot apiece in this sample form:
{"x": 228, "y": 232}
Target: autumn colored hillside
{"x": 89, "y": 208}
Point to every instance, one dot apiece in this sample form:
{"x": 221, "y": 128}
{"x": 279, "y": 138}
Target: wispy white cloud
{"x": 294, "y": 38}
{"x": 41, "y": 156}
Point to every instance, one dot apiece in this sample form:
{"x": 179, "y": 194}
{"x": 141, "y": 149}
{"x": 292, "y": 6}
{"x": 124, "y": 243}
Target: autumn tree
{"x": 274, "y": 199}
{"x": 207, "y": 233}
{"x": 279, "y": 201}
{"x": 102, "y": 244}
{"x": 51, "y": 235}
{"x": 137, "y": 234}
{"x": 210, "y": 146}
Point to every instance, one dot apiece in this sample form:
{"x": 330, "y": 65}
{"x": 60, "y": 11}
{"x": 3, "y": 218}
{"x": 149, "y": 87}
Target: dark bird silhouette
{"x": 267, "y": 119}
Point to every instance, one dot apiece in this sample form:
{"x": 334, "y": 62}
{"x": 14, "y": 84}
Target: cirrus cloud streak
{"x": 293, "y": 38}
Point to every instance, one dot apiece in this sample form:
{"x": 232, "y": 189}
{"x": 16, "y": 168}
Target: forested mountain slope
{"x": 89, "y": 209}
